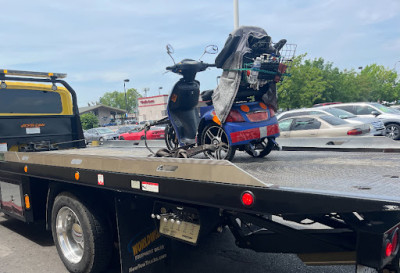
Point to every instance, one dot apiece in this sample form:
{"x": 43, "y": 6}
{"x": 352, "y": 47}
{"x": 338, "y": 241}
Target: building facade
{"x": 105, "y": 114}
{"x": 152, "y": 108}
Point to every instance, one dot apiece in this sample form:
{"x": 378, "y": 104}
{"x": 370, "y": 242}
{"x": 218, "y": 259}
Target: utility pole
{"x": 236, "y": 14}
{"x": 126, "y": 101}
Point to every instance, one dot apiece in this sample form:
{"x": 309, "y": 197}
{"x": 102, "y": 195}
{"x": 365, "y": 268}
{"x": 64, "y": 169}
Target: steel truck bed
{"x": 286, "y": 182}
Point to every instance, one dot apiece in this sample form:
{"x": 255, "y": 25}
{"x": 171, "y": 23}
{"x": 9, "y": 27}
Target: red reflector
{"x": 247, "y": 198}
{"x": 354, "y": 132}
{"x": 389, "y": 249}
{"x": 234, "y": 116}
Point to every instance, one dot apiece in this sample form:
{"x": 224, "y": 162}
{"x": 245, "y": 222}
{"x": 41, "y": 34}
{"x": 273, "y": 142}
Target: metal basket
{"x": 276, "y": 67}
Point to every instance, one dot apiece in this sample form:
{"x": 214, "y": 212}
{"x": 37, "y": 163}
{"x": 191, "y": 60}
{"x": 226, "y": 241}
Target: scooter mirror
{"x": 170, "y": 49}
{"x": 211, "y": 49}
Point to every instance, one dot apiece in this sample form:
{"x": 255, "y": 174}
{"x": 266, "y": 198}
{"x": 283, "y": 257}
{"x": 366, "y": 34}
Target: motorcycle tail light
{"x": 257, "y": 116}
{"x": 235, "y": 116}
{"x": 272, "y": 112}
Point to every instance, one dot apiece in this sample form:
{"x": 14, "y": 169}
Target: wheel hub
{"x": 70, "y": 235}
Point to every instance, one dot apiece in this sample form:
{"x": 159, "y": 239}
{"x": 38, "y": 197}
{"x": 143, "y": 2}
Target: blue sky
{"x": 101, "y": 43}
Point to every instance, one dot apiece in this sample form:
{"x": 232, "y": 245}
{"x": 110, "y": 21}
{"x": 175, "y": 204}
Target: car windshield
{"x": 104, "y": 131}
{"x": 339, "y": 113}
{"x": 385, "y": 109}
{"x": 333, "y": 120}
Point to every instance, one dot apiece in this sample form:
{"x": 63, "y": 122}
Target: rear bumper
{"x": 244, "y": 133}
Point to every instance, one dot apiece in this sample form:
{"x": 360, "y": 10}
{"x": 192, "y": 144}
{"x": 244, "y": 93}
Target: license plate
{"x": 161, "y": 135}
{"x": 365, "y": 269}
{"x": 185, "y": 231}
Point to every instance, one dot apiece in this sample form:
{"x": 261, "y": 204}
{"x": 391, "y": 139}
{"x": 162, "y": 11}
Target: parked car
{"x": 137, "y": 134}
{"x": 99, "y": 134}
{"x": 395, "y": 107}
{"x": 389, "y": 116}
{"x": 376, "y": 125}
{"x": 325, "y": 104}
{"x": 320, "y": 126}
{"x": 125, "y": 129}
{"x": 110, "y": 124}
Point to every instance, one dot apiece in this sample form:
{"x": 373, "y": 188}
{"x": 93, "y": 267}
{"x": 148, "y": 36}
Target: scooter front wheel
{"x": 216, "y": 135}
{"x": 171, "y": 139}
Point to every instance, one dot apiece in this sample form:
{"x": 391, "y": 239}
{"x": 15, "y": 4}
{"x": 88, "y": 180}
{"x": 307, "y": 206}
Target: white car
{"x": 376, "y": 125}
{"x": 389, "y": 116}
{"x": 320, "y": 126}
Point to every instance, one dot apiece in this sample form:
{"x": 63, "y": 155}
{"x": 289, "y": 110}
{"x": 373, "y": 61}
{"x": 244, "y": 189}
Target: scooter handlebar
{"x": 189, "y": 65}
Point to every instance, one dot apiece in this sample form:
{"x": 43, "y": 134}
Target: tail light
{"x": 248, "y": 198}
{"x": 257, "y": 116}
{"x": 272, "y": 112}
{"x": 235, "y": 116}
{"x": 392, "y": 244}
{"x": 354, "y": 132}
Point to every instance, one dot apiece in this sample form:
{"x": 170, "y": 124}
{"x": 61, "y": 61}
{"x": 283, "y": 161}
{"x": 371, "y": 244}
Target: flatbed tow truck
{"x": 98, "y": 201}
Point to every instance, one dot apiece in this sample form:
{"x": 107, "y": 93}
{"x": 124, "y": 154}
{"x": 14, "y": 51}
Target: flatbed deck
{"x": 292, "y": 181}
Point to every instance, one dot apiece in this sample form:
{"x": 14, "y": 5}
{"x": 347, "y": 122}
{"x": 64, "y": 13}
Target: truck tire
{"x": 81, "y": 235}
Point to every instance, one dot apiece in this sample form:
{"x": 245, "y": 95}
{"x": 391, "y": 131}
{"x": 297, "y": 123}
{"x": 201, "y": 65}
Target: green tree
{"x": 317, "y": 81}
{"x": 304, "y": 87}
{"x": 89, "y": 121}
{"x": 117, "y": 99}
{"x": 378, "y": 84}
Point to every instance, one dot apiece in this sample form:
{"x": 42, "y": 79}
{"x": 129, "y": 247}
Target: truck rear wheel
{"x": 81, "y": 235}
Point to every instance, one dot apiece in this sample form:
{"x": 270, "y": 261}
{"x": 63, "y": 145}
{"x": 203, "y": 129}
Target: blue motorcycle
{"x": 247, "y": 93}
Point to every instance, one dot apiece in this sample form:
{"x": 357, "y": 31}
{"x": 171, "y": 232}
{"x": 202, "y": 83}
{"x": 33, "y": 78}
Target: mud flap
{"x": 365, "y": 269}
{"x": 142, "y": 248}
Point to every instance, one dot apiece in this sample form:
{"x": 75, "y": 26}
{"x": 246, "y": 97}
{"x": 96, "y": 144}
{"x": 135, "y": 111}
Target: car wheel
{"x": 215, "y": 134}
{"x": 121, "y": 138}
{"x": 142, "y": 138}
{"x": 265, "y": 148}
{"x": 393, "y": 131}
{"x": 101, "y": 139}
{"x": 81, "y": 235}
{"x": 171, "y": 139}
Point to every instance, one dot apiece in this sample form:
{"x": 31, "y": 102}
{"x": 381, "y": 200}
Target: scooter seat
{"x": 206, "y": 96}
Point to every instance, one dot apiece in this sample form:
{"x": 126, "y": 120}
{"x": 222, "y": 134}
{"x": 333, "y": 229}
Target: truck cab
{"x": 40, "y": 113}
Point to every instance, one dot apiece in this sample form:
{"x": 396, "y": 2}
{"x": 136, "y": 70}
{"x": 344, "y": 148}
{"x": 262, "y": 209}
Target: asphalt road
{"x": 30, "y": 249}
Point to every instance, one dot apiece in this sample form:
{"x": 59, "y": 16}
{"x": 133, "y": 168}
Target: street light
{"x": 145, "y": 90}
{"x": 159, "y": 90}
{"x": 126, "y": 101}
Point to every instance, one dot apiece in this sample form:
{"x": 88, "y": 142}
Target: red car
{"x": 135, "y": 134}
